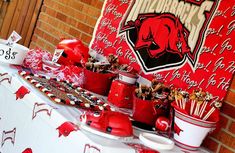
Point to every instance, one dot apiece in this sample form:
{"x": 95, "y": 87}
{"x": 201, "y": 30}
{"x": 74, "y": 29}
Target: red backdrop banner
{"x": 187, "y": 43}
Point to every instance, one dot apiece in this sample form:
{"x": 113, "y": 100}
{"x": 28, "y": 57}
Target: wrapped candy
{"x": 70, "y": 73}
{"x": 34, "y": 58}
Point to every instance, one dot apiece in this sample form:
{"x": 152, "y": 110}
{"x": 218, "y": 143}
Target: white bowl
{"x": 156, "y": 142}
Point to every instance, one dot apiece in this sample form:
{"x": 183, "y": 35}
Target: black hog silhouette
{"x": 163, "y": 33}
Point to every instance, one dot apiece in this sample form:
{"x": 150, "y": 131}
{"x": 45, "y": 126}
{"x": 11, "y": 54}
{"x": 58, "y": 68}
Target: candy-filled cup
{"x": 98, "y": 83}
{"x": 145, "y": 111}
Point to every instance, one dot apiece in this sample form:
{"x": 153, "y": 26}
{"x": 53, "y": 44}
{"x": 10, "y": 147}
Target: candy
{"x": 34, "y": 58}
{"x": 157, "y": 91}
{"x": 195, "y": 104}
{"x": 110, "y": 64}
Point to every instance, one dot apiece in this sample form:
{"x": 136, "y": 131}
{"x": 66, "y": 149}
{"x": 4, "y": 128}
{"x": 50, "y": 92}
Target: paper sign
{"x": 57, "y": 54}
{"x": 14, "y": 38}
{"x": 179, "y": 42}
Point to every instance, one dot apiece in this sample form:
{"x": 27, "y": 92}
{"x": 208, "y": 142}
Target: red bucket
{"x": 145, "y": 111}
{"x": 98, "y": 83}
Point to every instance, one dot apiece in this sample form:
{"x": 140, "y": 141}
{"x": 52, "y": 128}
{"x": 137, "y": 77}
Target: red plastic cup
{"x": 144, "y": 111}
{"x": 98, "y": 83}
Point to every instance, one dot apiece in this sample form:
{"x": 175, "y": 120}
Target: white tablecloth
{"x": 33, "y": 123}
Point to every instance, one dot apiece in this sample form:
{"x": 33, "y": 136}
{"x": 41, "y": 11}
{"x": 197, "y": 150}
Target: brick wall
{"x": 224, "y": 140}
{"x": 65, "y": 19}
{"x": 77, "y": 18}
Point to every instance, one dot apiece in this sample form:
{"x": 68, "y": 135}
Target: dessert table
{"x": 30, "y": 122}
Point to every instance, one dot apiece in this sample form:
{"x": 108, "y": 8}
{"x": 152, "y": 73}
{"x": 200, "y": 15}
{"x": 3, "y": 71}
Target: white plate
{"x": 102, "y": 134}
{"x": 156, "y": 142}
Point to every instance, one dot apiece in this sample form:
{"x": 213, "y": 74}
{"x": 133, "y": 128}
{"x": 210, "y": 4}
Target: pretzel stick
{"x": 196, "y": 109}
{"x": 184, "y": 103}
{"x": 176, "y": 100}
{"x": 209, "y": 113}
{"x": 203, "y": 108}
{"x": 144, "y": 96}
{"x": 140, "y": 89}
{"x": 181, "y": 104}
{"x": 184, "y": 95}
{"x": 180, "y": 96}
{"x": 196, "y": 112}
{"x": 192, "y": 107}
{"x": 93, "y": 67}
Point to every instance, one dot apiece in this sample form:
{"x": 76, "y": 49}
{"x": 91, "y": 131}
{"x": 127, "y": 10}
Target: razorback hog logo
{"x": 66, "y": 128}
{"x": 166, "y": 34}
{"x": 21, "y": 92}
{"x": 177, "y": 129}
{"x": 159, "y": 40}
{"x": 162, "y": 33}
